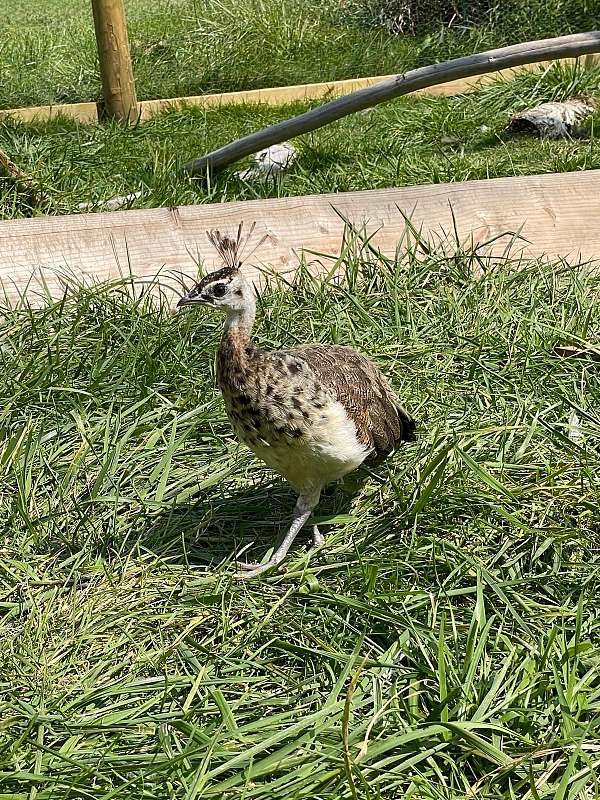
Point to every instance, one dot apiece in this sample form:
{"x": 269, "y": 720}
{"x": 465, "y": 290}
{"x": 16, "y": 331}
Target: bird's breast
{"x": 309, "y": 444}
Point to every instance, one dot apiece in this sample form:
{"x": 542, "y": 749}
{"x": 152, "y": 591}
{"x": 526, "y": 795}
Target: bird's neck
{"x": 236, "y": 350}
{"x": 241, "y": 320}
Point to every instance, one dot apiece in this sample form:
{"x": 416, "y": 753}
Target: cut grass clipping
{"x": 445, "y": 645}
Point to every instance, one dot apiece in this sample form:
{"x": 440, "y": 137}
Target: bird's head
{"x": 226, "y": 289}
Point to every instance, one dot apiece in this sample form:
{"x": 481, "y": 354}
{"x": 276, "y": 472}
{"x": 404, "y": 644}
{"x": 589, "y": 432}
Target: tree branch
{"x": 469, "y": 66}
{"x": 15, "y": 173}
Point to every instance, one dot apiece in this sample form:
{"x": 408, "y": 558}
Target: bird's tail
{"x": 408, "y": 425}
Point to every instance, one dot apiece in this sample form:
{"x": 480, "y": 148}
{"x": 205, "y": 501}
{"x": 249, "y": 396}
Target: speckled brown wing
{"x": 381, "y": 422}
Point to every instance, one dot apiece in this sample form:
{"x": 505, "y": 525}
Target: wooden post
{"x": 118, "y": 87}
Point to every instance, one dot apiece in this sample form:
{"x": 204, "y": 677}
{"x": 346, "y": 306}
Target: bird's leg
{"x": 302, "y": 512}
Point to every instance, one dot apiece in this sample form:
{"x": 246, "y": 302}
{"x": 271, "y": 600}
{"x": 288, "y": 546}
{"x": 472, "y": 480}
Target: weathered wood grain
{"x": 558, "y": 214}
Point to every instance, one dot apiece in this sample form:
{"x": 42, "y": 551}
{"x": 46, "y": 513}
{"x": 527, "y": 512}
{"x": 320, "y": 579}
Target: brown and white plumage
{"x": 312, "y": 413}
{"x": 381, "y": 422}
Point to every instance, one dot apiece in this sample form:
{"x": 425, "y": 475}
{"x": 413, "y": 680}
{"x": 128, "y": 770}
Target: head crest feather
{"x": 232, "y": 249}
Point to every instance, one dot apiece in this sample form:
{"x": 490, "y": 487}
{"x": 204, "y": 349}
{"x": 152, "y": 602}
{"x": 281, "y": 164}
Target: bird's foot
{"x": 301, "y": 515}
{"x": 251, "y": 570}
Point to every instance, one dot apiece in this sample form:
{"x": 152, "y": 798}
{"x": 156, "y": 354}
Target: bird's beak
{"x": 192, "y": 298}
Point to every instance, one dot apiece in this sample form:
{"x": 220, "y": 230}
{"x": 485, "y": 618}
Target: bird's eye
{"x": 219, "y": 290}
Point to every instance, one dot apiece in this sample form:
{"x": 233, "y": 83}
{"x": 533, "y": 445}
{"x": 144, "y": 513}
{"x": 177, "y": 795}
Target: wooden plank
{"x": 280, "y": 95}
{"x": 558, "y": 215}
{"x": 81, "y": 112}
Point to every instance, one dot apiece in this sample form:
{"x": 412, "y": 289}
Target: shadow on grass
{"x": 515, "y": 137}
{"x": 250, "y": 520}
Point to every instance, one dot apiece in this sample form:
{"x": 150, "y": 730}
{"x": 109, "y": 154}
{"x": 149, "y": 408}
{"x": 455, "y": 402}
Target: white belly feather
{"x": 329, "y": 450}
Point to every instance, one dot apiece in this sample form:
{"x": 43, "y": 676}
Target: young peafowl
{"x": 312, "y": 413}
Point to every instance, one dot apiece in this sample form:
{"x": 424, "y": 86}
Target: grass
{"x": 445, "y": 645}
{"x": 186, "y": 47}
{"x": 410, "y": 141}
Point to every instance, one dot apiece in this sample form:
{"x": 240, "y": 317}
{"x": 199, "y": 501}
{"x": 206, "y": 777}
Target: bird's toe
{"x": 318, "y": 538}
{"x": 253, "y": 570}
{"x": 248, "y": 564}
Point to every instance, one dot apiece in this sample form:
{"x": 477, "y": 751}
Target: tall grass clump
{"x": 445, "y": 645}
{"x": 531, "y": 20}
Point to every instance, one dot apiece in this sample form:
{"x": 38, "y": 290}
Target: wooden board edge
{"x": 279, "y": 95}
{"x": 549, "y": 215}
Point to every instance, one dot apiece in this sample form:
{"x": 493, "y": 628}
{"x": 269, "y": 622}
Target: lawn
{"x": 186, "y": 47}
{"x": 445, "y": 645}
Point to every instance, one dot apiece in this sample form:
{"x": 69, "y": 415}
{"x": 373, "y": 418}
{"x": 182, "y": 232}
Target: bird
{"x": 272, "y": 161}
{"x": 312, "y": 413}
